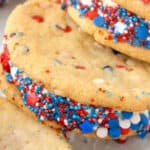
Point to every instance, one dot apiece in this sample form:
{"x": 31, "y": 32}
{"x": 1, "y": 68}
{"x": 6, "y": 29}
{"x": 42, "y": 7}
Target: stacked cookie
{"x": 63, "y": 77}
{"x": 113, "y": 25}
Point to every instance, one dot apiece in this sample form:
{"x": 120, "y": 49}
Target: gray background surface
{"x": 80, "y": 143}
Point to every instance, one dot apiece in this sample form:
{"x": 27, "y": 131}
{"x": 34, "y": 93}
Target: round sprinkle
{"x": 135, "y": 118}
{"x": 99, "y": 21}
{"x": 135, "y": 126}
{"x": 125, "y": 131}
{"x": 144, "y": 119}
{"x": 141, "y": 32}
{"x": 102, "y": 132}
{"x": 86, "y": 127}
{"x": 113, "y": 123}
{"x": 142, "y": 134}
{"x": 126, "y": 115}
{"x": 114, "y": 132}
{"x": 125, "y": 124}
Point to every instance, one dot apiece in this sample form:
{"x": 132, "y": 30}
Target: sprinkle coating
{"x": 122, "y": 25}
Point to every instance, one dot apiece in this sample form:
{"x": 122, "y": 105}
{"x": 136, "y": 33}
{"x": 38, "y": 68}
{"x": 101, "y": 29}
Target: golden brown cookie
{"x": 20, "y": 132}
{"x": 113, "y": 26}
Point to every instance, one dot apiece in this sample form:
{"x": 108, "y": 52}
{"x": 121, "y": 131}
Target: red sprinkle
{"x": 80, "y": 67}
{"x": 101, "y": 90}
{"x": 122, "y": 98}
{"x": 121, "y": 141}
{"x": 32, "y": 99}
{"x": 66, "y": 29}
{"x": 92, "y": 14}
{"x": 120, "y": 66}
{"x": 4, "y": 58}
{"x": 38, "y": 18}
{"x": 124, "y": 131}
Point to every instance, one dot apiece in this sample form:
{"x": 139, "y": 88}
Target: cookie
{"x": 113, "y": 26}
{"x": 21, "y": 132}
{"x": 9, "y": 92}
{"x": 142, "y": 7}
{"x": 64, "y": 76}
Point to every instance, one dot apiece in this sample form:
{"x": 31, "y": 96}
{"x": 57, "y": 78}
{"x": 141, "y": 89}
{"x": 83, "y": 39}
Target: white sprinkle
{"x": 148, "y": 39}
{"x": 98, "y": 81}
{"x": 86, "y": 2}
{"x": 100, "y": 120}
{"x": 135, "y": 118}
{"x": 65, "y": 122}
{"x": 37, "y": 104}
{"x": 44, "y": 107}
{"x": 125, "y": 124}
{"x": 120, "y": 27}
{"x": 44, "y": 91}
{"x": 109, "y": 3}
{"x": 102, "y": 132}
{"x": 13, "y": 72}
{"x": 53, "y": 109}
{"x": 42, "y": 118}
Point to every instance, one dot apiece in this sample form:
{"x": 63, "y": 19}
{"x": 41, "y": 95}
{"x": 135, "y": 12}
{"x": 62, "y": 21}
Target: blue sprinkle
{"x": 147, "y": 44}
{"x": 8, "y": 77}
{"x": 63, "y": 6}
{"x": 113, "y": 123}
{"x": 114, "y": 132}
{"x": 99, "y": 21}
{"x": 141, "y": 32}
{"x": 86, "y": 127}
{"x": 83, "y": 11}
{"x": 126, "y": 115}
{"x": 135, "y": 126}
{"x": 144, "y": 119}
{"x": 136, "y": 42}
{"x": 142, "y": 134}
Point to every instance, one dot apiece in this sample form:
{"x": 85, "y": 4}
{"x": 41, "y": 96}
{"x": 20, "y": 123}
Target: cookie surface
{"x": 113, "y": 26}
{"x": 70, "y": 63}
{"x": 142, "y": 7}
{"x": 21, "y": 132}
{"x": 77, "y": 63}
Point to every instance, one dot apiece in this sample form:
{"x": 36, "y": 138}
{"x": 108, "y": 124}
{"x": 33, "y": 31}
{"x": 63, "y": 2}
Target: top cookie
{"x": 140, "y": 7}
{"x": 49, "y": 48}
{"x": 113, "y": 26}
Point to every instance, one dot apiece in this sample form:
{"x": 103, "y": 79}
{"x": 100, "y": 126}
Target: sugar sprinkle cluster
{"x": 122, "y": 25}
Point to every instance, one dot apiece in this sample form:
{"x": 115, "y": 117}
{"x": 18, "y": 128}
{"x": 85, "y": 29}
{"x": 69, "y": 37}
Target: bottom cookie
{"x": 14, "y": 96}
{"x": 19, "y": 132}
